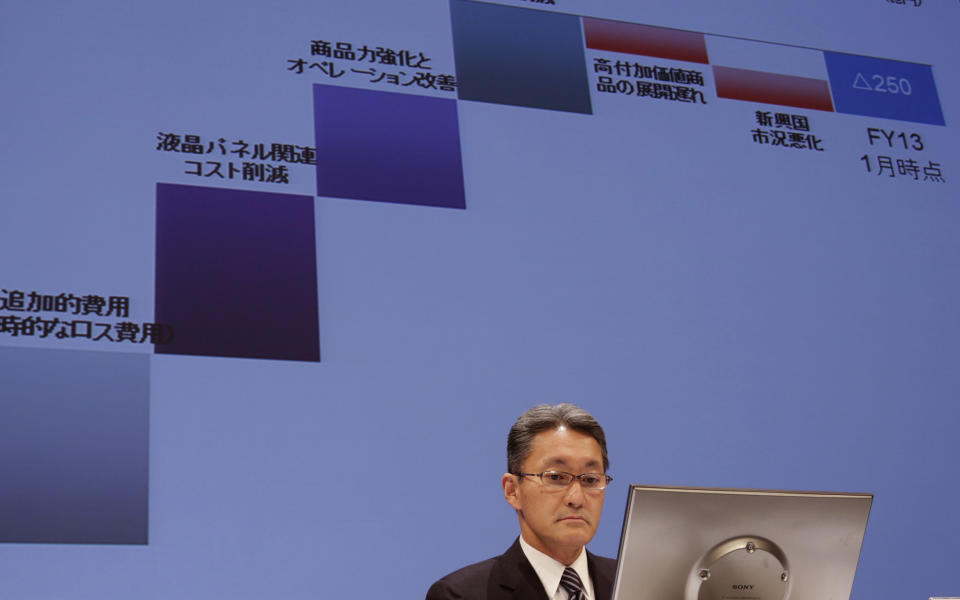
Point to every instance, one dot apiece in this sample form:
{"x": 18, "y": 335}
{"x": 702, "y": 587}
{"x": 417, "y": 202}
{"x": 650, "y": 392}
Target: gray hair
{"x": 547, "y": 417}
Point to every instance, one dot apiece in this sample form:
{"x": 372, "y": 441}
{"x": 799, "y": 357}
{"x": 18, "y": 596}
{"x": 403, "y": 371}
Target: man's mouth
{"x": 574, "y": 518}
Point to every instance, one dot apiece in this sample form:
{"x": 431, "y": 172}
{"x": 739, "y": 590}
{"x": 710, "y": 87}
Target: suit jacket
{"x": 510, "y": 576}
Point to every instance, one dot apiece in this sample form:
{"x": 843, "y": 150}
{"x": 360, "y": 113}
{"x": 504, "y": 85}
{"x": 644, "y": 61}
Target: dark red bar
{"x": 630, "y": 38}
{"x": 772, "y": 88}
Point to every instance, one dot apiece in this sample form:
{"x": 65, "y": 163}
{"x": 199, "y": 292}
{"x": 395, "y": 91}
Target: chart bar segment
{"x": 878, "y": 87}
{"x": 646, "y": 40}
{"x": 772, "y": 88}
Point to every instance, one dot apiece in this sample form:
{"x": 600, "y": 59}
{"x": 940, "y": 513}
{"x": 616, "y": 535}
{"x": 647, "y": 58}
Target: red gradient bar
{"x": 617, "y": 36}
{"x": 772, "y": 88}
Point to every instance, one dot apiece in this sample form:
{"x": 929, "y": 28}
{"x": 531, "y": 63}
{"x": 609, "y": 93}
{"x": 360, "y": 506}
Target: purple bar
{"x": 388, "y": 147}
{"x": 236, "y": 273}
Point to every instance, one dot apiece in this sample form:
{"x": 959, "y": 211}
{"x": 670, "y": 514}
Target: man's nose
{"x": 575, "y": 494}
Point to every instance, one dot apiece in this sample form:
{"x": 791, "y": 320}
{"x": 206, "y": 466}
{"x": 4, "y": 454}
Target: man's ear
{"x": 511, "y": 485}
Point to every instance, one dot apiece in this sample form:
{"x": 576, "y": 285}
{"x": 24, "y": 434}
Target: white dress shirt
{"x": 550, "y": 570}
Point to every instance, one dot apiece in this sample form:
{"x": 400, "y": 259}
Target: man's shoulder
{"x": 602, "y": 571}
{"x": 512, "y": 572}
{"x": 467, "y": 582}
{"x": 602, "y": 562}
{"x": 472, "y": 572}
{"x": 487, "y": 579}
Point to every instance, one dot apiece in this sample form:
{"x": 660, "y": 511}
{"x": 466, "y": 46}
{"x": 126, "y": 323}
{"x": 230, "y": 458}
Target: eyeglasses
{"x": 558, "y": 480}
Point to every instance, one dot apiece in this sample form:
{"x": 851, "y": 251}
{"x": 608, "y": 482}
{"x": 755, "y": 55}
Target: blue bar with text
{"x": 877, "y": 87}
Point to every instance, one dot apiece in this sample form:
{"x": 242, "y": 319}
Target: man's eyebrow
{"x": 560, "y": 461}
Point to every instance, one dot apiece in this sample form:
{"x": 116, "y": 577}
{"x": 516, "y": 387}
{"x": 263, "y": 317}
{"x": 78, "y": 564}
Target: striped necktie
{"x": 570, "y": 581}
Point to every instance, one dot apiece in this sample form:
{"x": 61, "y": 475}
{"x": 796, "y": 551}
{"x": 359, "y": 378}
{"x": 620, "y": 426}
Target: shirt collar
{"x": 549, "y": 569}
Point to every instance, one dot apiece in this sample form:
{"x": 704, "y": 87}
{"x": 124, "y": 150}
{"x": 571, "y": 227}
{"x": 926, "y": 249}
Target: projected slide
{"x": 278, "y": 278}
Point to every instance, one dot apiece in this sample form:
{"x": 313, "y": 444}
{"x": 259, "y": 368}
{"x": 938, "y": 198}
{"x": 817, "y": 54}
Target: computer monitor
{"x": 682, "y": 543}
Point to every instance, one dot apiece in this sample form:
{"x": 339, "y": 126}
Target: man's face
{"x": 557, "y": 522}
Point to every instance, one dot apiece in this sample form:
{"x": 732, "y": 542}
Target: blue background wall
{"x": 734, "y": 314}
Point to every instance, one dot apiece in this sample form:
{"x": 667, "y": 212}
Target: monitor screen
{"x": 726, "y": 544}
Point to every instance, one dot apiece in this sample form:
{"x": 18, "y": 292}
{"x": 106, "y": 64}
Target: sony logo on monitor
{"x": 739, "y": 586}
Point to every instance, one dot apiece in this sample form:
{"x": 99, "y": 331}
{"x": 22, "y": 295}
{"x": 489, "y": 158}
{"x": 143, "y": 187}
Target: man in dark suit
{"x": 556, "y": 476}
